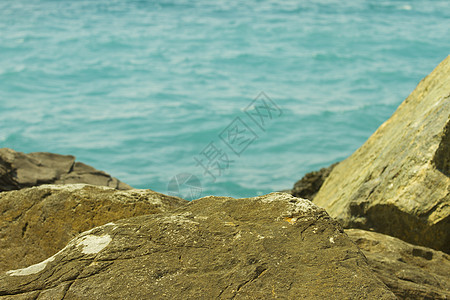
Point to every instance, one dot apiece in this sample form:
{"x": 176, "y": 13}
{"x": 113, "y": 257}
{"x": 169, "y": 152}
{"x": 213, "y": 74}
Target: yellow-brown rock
{"x": 398, "y": 182}
{"x": 37, "y": 222}
{"x": 410, "y": 271}
{"x": 270, "y": 247}
{"x": 19, "y": 170}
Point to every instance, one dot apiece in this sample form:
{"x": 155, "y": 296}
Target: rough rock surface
{"x": 273, "y": 246}
{"x": 398, "y": 182}
{"x": 309, "y": 185}
{"x": 37, "y": 222}
{"x": 411, "y": 272}
{"x": 19, "y": 170}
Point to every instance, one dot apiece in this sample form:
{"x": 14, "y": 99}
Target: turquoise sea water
{"x": 140, "y": 88}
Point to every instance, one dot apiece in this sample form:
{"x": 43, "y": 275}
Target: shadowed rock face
{"x": 19, "y": 170}
{"x": 398, "y": 182}
{"x": 442, "y": 158}
{"x": 309, "y": 185}
{"x": 37, "y": 222}
{"x": 273, "y": 246}
{"x": 411, "y": 272}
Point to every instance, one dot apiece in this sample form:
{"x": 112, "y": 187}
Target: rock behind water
{"x": 398, "y": 182}
{"x": 273, "y": 246}
{"x": 309, "y": 185}
{"x": 37, "y": 222}
{"x": 411, "y": 272}
{"x": 19, "y": 170}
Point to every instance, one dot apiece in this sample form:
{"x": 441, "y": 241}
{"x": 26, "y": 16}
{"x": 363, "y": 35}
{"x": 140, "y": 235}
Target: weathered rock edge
{"x": 37, "y": 222}
{"x": 19, "y": 170}
{"x": 398, "y": 182}
{"x": 410, "y": 271}
{"x": 214, "y": 247}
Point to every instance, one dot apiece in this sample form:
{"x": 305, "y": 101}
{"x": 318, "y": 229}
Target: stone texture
{"x": 398, "y": 182}
{"x": 273, "y": 246}
{"x": 309, "y": 185}
{"x": 411, "y": 272}
{"x": 37, "y": 222}
{"x": 19, "y": 170}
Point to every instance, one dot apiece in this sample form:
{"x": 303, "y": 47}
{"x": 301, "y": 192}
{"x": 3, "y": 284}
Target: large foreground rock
{"x": 19, "y": 170}
{"x": 398, "y": 182}
{"x": 411, "y": 272}
{"x": 274, "y": 246}
{"x": 37, "y": 222}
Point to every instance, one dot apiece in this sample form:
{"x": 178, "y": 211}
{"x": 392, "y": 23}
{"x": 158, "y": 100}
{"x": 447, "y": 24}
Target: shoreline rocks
{"x": 273, "y": 246}
{"x": 106, "y": 240}
{"x": 398, "y": 182}
{"x": 19, "y": 170}
{"x": 309, "y": 185}
{"x": 37, "y": 222}
{"x": 410, "y": 271}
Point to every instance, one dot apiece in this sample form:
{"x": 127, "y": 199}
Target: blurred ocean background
{"x": 140, "y": 88}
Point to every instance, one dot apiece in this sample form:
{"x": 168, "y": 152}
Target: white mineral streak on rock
{"x": 92, "y": 244}
{"x": 33, "y": 269}
{"x": 36, "y": 268}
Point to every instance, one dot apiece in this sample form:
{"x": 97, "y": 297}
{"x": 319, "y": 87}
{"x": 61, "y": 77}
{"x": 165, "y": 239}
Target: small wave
{"x": 405, "y": 7}
{"x": 12, "y": 70}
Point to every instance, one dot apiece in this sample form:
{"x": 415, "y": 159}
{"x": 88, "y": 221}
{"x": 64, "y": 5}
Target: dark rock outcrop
{"x": 411, "y": 272}
{"x": 19, "y": 170}
{"x": 309, "y": 185}
{"x": 398, "y": 182}
{"x": 273, "y": 246}
{"x": 37, "y": 222}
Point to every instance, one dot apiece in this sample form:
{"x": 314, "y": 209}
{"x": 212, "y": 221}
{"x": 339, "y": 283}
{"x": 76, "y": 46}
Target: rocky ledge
{"x": 19, "y": 170}
{"x": 398, "y": 182}
{"x": 37, "y": 222}
{"x": 410, "y": 271}
{"x": 274, "y": 246}
{"x": 108, "y": 241}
